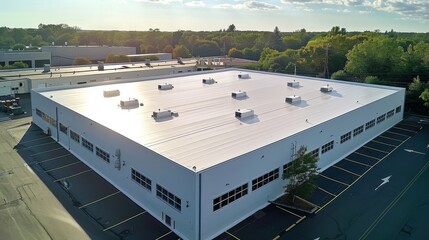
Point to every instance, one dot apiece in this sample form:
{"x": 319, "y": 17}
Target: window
{"x": 287, "y": 166}
{"x": 346, "y": 137}
{"x": 315, "y": 152}
{"x": 381, "y": 118}
{"x": 74, "y": 136}
{"x": 327, "y": 147}
{"x": 46, "y": 117}
{"x": 140, "y": 179}
{"x": 229, "y": 197}
{"x": 370, "y": 124}
{"x": 398, "y": 109}
{"x": 390, "y": 113}
{"x": 168, "y": 197}
{"x": 357, "y": 131}
{"x": 88, "y": 145}
{"x": 266, "y": 178}
{"x": 63, "y": 128}
{"x": 102, "y": 154}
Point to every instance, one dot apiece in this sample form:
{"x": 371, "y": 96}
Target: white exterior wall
{"x": 231, "y": 174}
{"x": 219, "y": 179}
{"x": 171, "y": 176}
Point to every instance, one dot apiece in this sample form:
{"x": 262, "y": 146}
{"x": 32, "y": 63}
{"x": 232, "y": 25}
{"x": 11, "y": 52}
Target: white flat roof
{"x": 206, "y": 132}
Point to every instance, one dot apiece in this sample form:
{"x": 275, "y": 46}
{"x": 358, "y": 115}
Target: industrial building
{"x": 203, "y": 151}
{"x": 34, "y": 59}
{"x": 65, "y": 55}
{"x": 23, "y": 80}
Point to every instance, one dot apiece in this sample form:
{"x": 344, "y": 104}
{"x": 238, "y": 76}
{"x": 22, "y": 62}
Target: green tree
{"x": 181, "y": 51}
{"x": 81, "y": 61}
{"x": 18, "y": 46}
{"x": 301, "y": 174}
{"x": 425, "y": 97}
{"x": 380, "y": 57}
{"x": 168, "y": 49}
{"x": 206, "y": 48}
{"x": 117, "y": 58}
{"x": 275, "y": 41}
{"x": 231, "y": 28}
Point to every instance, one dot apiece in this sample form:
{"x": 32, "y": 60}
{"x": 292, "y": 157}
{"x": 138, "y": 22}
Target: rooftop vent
{"x": 293, "y": 99}
{"x": 239, "y": 94}
{"x": 100, "y": 66}
{"x": 244, "y": 113}
{"x": 147, "y": 62}
{"x": 326, "y": 88}
{"x": 166, "y": 86}
{"x": 243, "y": 76}
{"x": 293, "y": 84}
{"x": 46, "y": 67}
{"x": 208, "y": 81}
{"x": 160, "y": 114}
{"x": 127, "y": 104}
{"x": 180, "y": 60}
{"x": 111, "y": 93}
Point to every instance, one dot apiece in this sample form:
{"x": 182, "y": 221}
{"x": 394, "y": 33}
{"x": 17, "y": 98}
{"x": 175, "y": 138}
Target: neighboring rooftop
{"x": 90, "y": 69}
{"x": 198, "y": 125}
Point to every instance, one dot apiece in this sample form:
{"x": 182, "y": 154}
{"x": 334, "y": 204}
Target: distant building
{"x": 19, "y": 81}
{"x": 33, "y": 59}
{"x": 203, "y": 151}
{"x": 65, "y": 55}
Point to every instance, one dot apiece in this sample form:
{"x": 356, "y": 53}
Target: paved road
{"x": 398, "y": 209}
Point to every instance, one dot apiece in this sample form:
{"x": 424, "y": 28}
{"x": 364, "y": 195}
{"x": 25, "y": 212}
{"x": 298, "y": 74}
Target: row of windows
{"x": 168, "y": 197}
{"x": 390, "y": 113}
{"x": 102, "y": 154}
{"x": 63, "y": 129}
{"x": 357, "y": 131}
{"x": 327, "y": 147}
{"x": 88, "y": 145}
{"x": 46, "y": 117}
{"x": 370, "y": 124}
{"x": 381, "y": 118}
{"x": 74, "y": 136}
{"x": 265, "y": 179}
{"x": 230, "y": 197}
{"x": 141, "y": 179}
{"x": 346, "y": 137}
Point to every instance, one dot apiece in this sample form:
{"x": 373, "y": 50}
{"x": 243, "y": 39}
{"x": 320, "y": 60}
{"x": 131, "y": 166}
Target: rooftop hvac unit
{"x": 293, "y": 99}
{"x": 111, "y": 93}
{"x": 166, "y": 86}
{"x": 100, "y": 66}
{"x": 147, "y": 62}
{"x": 293, "y": 84}
{"x": 46, "y": 67}
{"x": 243, "y": 76}
{"x": 244, "y": 113}
{"x": 180, "y": 60}
{"x": 208, "y": 81}
{"x": 239, "y": 94}
{"x": 131, "y": 103}
{"x": 326, "y": 88}
{"x": 160, "y": 114}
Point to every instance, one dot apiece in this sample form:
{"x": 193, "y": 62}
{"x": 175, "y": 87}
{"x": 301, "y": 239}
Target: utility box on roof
{"x": 166, "y": 86}
{"x": 244, "y": 113}
{"x": 293, "y": 84}
{"x": 239, "y": 94}
{"x": 131, "y": 103}
{"x": 326, "y": 88}
{"x": 293, "y": 99}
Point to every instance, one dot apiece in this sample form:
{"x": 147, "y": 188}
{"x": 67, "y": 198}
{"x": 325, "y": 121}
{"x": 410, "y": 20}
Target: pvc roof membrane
{"x": 204, "y": 130}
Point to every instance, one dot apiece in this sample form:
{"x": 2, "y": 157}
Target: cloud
{"x": 411, "y": 9}
{"x": 196, "y": 4}
{"x": 250, "y": 5}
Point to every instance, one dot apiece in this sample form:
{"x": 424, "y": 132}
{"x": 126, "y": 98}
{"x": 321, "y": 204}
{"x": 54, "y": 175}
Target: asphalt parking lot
{"x": 101, "y": 209}
{"x": 349, "y": 207}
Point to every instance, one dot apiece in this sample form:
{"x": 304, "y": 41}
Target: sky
{"x": 213, "y": 15}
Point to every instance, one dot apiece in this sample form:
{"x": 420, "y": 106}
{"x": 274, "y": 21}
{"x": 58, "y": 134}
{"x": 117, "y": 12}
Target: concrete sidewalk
{"x": 28, "y": 209}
